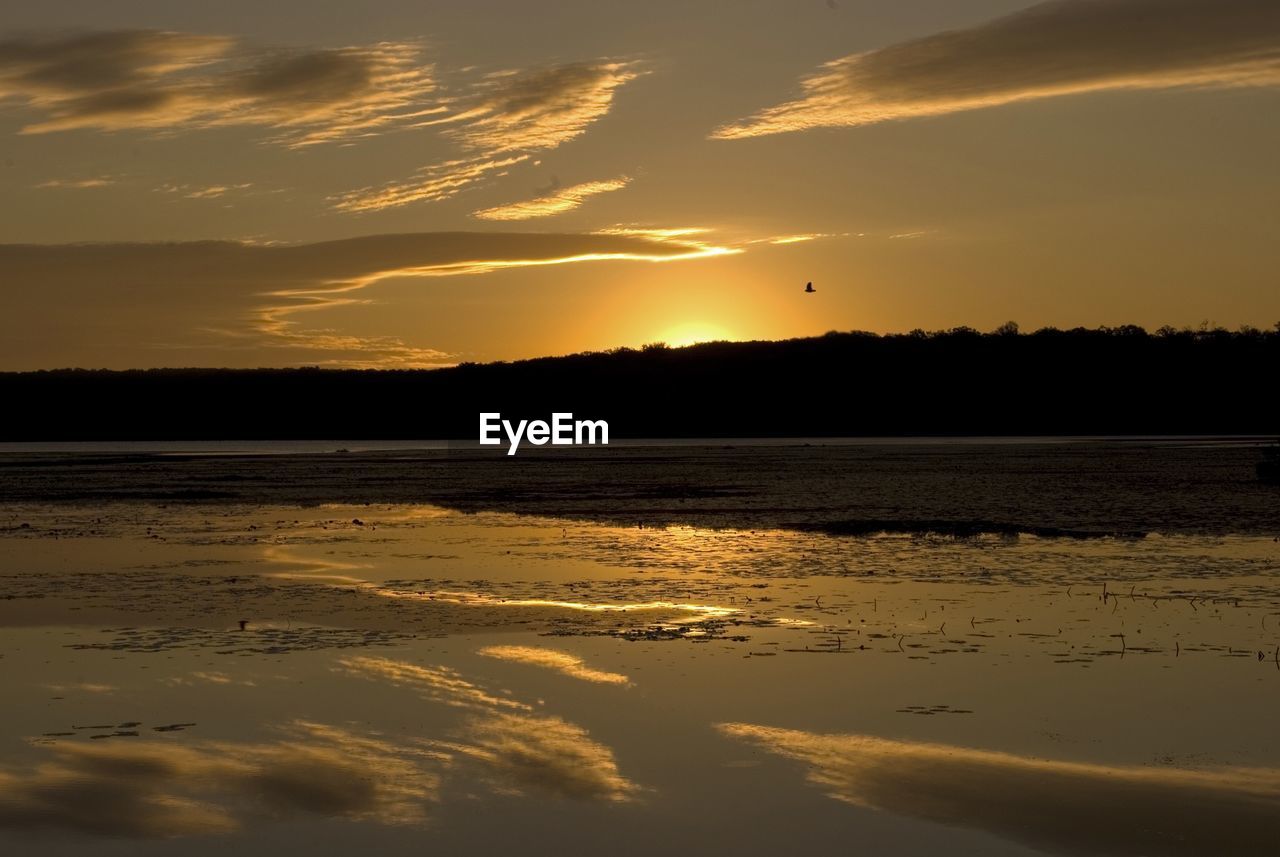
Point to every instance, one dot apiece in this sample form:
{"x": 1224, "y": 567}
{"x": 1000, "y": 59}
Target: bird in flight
{"x": 809, "y": 289}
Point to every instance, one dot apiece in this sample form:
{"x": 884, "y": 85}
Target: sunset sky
{"x": 413, "y": 183}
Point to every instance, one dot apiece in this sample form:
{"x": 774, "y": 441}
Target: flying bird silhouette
{"x": 809, "y": 289}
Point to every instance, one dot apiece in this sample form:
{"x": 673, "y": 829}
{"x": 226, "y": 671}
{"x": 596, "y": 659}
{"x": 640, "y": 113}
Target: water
{"x": 722, "y": 677}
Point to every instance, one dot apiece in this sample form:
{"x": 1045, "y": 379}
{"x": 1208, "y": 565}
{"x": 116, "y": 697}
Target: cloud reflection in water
{"x": 158, "y": 789}
{"x": 518, "y": 749}
{"x": 1061, "y": 807}
{"x": 554, "y": 659}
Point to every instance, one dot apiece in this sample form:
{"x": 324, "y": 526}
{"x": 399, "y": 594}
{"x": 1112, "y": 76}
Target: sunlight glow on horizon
{"x": 693, "y": 333}
{"x": 409, "y": 191}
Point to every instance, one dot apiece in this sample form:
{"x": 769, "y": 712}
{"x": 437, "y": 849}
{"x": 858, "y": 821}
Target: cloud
{"x": 167, "y": 81}
{"x": 205, "y": 191}
{"x": 1061, "y": 807}
{"x": 1056, "y": 48}
{"x": 155, "y": 789}
{"x": 77, "y": 184}
{"x": 554, "y": 659}
{"x": 170, "y": 82}
{"x": 556, "y": 201}
{"x": 240, "y": 303}
{"x": 540, "y": 109}
{"x": 430, "y": 184}
{"x": 795, "y": 238}
{"x": 503, "y": 121}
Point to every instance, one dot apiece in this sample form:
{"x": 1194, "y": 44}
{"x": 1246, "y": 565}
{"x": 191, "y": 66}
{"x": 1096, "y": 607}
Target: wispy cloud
{"x": 1056, "y": 48}
{"x": 551, "y": 203}
{"x": 171, "y": 82}
{"x": 168, "y": 81}
{"x": 77, "y": 184}
{"x": 488, "y": 252}
{"x": 504, "y": 120}
{"x": 430, "y": 184}
{"x": 795, "y": 238}
{"x": 539, "y": 109}
{"x": 204, "y": 191}
{"x": 554, "y": 659}
{"x": 1063, "y": 807}
{"x": 102, "y": 304}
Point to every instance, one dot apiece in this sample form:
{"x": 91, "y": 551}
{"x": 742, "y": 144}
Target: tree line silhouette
{"x": 1104, "y": 381}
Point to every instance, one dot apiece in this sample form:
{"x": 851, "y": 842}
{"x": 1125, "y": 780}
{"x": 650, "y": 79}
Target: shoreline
{"x": 1088, "y": 489}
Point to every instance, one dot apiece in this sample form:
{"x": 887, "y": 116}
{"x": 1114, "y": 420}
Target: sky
{"x": 403, "y": 183}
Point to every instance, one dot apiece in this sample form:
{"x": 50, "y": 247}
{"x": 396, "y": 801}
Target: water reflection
{"x": 158, "y": 789}
{"x": 81, "y": 686}
{"x": 176, "y": 787}
{"x": 518, "y": 749}
{"x": 436, "y": 683}
{"x": 554, "y": 659}
{"x": 696, "y": 612}
{"x": 546, "y": 754}
{"x": 1062, "y": 807}
{"x": 795, "y": 621}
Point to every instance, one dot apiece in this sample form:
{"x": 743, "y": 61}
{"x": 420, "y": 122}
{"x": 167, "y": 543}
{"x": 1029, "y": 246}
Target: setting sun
{"x": 694, "y": 332}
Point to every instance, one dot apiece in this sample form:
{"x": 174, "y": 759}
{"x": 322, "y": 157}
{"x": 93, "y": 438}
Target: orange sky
{"x": 409, "y": 184}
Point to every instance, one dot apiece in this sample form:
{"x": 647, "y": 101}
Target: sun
{"x": 692, "y": 333}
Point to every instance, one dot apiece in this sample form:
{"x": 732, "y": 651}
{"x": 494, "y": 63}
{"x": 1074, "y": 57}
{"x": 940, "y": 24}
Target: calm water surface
{"x": 411, "y": 678}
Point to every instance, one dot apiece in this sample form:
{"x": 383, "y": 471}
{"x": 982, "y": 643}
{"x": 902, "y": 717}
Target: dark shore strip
{"x": 1050, "y": 489}
{"x": 958, "y": 529}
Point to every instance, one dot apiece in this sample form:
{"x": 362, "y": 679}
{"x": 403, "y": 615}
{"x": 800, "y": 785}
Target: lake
{"x": 1050, "y": 646}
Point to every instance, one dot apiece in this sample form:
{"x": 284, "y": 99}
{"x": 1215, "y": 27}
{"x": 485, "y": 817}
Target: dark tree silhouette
{"x": 1119, "y": 380}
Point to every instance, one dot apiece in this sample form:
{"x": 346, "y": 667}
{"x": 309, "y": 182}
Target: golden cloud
{"x": 77, "y": 184}
{"x": 1063, "y": 47}
{"x": 167, "y": 81}
{"x": 540, "y": 109}
{"x": 430, "y": 184}
{"x": 103, "y": 304}
{"x": 555, "y": 202}
{"x": 508, "y": 117}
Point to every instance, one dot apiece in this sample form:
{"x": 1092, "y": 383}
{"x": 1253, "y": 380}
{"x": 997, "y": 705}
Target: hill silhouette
{"x": 958, "y": 382}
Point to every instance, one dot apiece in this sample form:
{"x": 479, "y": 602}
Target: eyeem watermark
{"x": 563, "y": 430}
